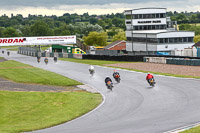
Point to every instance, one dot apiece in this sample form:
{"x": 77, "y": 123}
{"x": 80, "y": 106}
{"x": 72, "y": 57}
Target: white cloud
{"x": 191, "y": 5}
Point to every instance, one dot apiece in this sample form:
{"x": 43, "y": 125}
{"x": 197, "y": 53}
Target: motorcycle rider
{"x": 38, "y": 59}
{"x": 91, "y": 68}
{"x": 46, "y": 60}
{"x": 55, "y": 59}
{"x": 149, "y": 76}
{"x": 116, "y": 74}
{"x": 107, "y": 79}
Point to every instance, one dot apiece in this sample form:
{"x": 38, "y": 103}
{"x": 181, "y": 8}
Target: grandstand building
{"x": 148, "y": 29}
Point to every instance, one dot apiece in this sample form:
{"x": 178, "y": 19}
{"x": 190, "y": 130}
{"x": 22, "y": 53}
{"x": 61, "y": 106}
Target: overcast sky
{"x": 59, "y": 7}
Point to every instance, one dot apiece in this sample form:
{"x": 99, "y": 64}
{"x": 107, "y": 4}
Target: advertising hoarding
{"x": 42, "y": 40}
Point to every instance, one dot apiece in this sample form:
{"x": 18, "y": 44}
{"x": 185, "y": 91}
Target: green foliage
{"x": 192, "y": 130}
{"x": 119, "y": 36}
{"x": 40, "y": 28}
{"x": 1, "y": 31}
{"x": 10, "y": 32}
{"x": 197, "y": 38}
{"x": 28, "y": 111}
{"x": 95, "y": 38}
{"x": 189, "y": 27}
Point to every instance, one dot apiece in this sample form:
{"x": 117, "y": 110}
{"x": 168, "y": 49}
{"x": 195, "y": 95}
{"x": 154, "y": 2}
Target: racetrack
{"x": 133, "y": 106}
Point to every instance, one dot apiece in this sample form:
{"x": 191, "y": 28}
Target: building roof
{"x": 145, "y": 8}
{"x": 196, "y": 44}
{"x": 113, "y": 44}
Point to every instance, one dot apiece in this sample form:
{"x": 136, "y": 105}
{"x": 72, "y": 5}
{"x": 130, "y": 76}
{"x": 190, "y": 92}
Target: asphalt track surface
{"x": 132, "y": 106}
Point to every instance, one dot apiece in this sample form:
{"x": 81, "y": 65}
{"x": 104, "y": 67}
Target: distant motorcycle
{"x": 46, "y": 61}
{"x": 55, "y": 59}
{"x": 117, "y": 78}
{"x": 109, "y": 85}
{"x": 38, "y": 59}
{"x": 152, "y": 82}
{"x": 91, "y": 71}
{"x": 2, "y": 52}
{"x": 8, "y": 53}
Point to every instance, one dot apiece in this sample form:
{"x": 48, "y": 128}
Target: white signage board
{"x": 42, "y": 40}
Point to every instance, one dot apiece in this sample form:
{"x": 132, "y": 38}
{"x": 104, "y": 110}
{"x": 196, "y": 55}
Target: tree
{"x": 95, "y": 38}
{"x": 197, "y": 38}
{"x": 119, "y": 36}
{"x": 40, "y": 29}
{"x": 26, "y": 30}
{"x": 10, "y": 32}
{"x": 1, "y": 31}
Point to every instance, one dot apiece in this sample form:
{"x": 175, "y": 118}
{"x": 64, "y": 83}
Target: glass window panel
{"x": 171, "y": 40}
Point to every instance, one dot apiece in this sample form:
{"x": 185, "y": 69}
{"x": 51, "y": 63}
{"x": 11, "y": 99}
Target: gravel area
{"x": 162, "y": 68}
{"x": 13, "y": 86}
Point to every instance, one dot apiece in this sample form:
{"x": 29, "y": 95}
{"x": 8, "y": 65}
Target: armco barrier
{"x": 188, "y": 62}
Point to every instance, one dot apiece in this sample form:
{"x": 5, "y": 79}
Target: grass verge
{"x": 192, "y": 130}
{"x": 27, "y": 111}
{"x": 23, "y": 73}
{"x": 92, "y": 62}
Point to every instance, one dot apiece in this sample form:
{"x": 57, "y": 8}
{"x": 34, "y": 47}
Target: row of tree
{"x": 111, "y": 26}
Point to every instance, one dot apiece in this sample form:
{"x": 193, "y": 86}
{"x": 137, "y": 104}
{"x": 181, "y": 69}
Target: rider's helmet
{"x": 91, "y": 67}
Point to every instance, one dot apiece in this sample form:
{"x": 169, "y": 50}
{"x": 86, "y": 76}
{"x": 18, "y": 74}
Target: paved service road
{"x": 133, "y": 106}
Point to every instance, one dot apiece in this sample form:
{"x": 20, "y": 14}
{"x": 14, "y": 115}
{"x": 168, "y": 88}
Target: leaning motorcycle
{"x": 55, "y": 59}
{"x": 109, "y": 85}
{"x": 117, "y": 78}
{"x": 91, "y": 72}
{"x": 152, "y": 82}
{"x": 46, "y": 61}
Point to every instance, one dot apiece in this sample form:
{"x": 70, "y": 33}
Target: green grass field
{"x": 23, "y": 73}
{"x": 27, "y": 111}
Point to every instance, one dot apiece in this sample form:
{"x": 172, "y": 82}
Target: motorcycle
{"x": 152, "y": 82}
{"x": 91, "y": 71}
{"x": 2, "y": 52}
{"x": 55, "y": 59}
{"x": 46, "y": 61}
{"x": 8, "y": 53}
{"x": 109, "y": 85}
{"x": 117, "y": 78}
{"x": 38, "y": 59}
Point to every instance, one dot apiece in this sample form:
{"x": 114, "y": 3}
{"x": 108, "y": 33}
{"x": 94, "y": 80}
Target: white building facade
{"x": 148, "y": 29}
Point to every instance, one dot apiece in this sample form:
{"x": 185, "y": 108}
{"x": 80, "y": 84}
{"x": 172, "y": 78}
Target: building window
{"x": 190, "y": 39}
{"x": 128, "y": 16}
{"x": 135, "y": 16}
{"x": 171, "y": 40}
{"x": 140, "y": 16}
{"x": 145, "y": 27}
{"x": 180, "y": 39}
{"x": 128, "y": 38}
{"x": 128, "y": 22}
{"x": 166, "y": 40}
{"x": 185, "y": 39}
